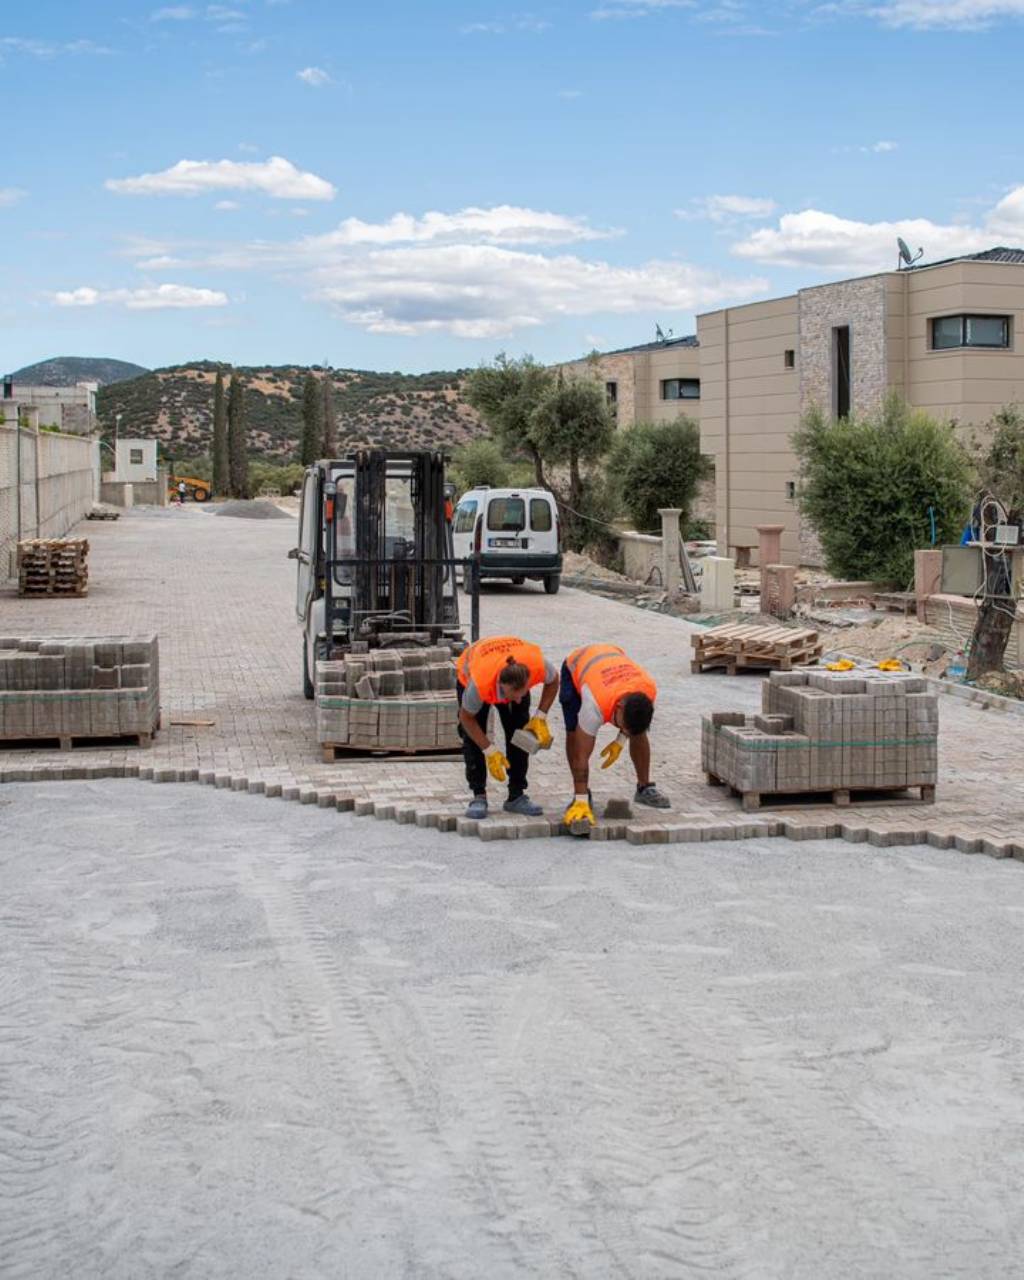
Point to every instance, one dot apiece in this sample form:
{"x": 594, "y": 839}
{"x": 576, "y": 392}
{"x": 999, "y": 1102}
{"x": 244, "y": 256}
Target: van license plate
{"x": 504, "y": 542}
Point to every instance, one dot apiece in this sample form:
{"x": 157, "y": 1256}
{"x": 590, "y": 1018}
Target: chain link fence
{"x": 48, "y": 482}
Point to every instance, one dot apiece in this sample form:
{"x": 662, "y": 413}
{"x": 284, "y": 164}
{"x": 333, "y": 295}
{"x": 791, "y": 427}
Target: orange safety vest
{"x": 605, "y": 670}
{"x": 482, "y": 662}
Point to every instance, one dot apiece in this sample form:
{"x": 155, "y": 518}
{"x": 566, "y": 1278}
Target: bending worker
{"x": 500, "y": 672}
{"x": 600, "y": 686}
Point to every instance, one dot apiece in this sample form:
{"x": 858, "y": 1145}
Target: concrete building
{"x": 948, "y": 336}
{"x": 135, "y": 461}
{"x": 69, "y": 409}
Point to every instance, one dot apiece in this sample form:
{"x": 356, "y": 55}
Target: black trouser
{"x": 513, "y": 716}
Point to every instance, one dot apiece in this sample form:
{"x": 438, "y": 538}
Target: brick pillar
{"x": 670, "y": 549}
{"x": 769, "y": 551}
{"x": 927, "y": 578}
{"x": 778, "y": 591}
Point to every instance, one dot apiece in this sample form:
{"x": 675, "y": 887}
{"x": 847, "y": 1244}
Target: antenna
{"x": 907, "y": 259}
{"x": 658, "y": 335}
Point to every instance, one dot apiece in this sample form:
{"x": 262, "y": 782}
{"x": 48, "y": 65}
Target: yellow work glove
{"x": 538, "y": 726}
{"x": 844, "y": 664}
{"x": 578, "y": 811}
{"x": 612, "y": 751}
{"x": 497, "y": 763}
{"x": 890, "y": 664}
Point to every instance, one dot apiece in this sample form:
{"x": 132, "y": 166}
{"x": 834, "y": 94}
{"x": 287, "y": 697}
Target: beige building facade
{"x": 947, "y": 336}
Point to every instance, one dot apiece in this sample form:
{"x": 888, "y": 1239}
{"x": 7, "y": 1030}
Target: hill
{"x": 65, "y": 371}
{"x": 391, "y": 410}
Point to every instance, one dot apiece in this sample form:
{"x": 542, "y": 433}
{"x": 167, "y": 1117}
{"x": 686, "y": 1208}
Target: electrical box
{"x": 963, "y": 572}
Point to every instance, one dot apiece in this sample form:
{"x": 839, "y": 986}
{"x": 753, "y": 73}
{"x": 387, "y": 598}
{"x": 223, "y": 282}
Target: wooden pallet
{"x": 53, "y": 567}
{"x": 77, "y": 740}
{"x": 840, "y": 798}
{"x": 333, "y": 751}
{"x": 746, "y": 645}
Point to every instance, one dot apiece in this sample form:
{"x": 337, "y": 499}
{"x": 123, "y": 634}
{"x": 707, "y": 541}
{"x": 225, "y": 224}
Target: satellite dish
{"x": 907, "y": 259}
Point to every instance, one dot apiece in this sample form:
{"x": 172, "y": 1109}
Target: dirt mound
{"x": 255, "y": 509}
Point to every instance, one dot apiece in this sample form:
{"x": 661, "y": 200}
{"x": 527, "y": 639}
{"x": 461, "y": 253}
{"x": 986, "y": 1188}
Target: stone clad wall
{"x": 861, "y": 305}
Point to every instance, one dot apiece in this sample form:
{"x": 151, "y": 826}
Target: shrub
{"x": 871, "y": 485}
{"x": 658, "y": 464}
{"x": 481, "y": 462}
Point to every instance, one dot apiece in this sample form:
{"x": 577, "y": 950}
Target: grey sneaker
{"x": 477, "y": 807}
{"x": 651, "y": 797}
{"x": 524, "y": 806}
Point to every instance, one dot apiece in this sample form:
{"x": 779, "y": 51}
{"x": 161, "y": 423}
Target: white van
{"x": 516, "y": 532}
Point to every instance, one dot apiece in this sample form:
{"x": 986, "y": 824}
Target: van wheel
{"x": 307, "y": 682}
{"x": 552, "y": 582}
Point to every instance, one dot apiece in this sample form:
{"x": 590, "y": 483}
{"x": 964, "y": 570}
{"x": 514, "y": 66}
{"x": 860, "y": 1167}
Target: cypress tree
{"x": 220, "y": 436}
{"x": 330, "y": 424}
{"x": 238, "y": 457}
{"x": 312, "y": 421}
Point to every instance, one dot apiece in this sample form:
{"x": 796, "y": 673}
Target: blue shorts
{"x": 569, "y": 697}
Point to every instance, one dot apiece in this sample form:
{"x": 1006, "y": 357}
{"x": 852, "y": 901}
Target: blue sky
{"x": 420, "y": 185}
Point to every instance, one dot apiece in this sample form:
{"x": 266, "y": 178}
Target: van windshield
{"x": 506, "y": 515}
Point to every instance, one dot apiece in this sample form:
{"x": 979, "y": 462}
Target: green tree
{"x": 330, "y": 421}
{"x": 657, "y": 464}
{"x": 871, "y": 486}
{"x": 1001, "y": 479}
{"x": 238, "y": 455}
{"x": 221, "y": 477}
{"x": 312, "y": 420}
{"x": 506, "y": 394}
{"x": 573, "y": 425}
{"x": 480, "y": 462}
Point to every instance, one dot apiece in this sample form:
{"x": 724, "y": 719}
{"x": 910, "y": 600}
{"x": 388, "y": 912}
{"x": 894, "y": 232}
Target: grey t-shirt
{"x": 473, "y": 700}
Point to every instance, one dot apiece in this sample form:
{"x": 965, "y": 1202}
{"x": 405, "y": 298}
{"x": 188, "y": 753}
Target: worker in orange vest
{"x": 499, "y": 672}
{"x": 599, "y": 686}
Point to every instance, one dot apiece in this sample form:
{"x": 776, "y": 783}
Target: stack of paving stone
{"x": 828, "y": 731}
{"x": 387, "y": 700}
{"x": 53, "y": 567}
{"x": 96, "y": 687}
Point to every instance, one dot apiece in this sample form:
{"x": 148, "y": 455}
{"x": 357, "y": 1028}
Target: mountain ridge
{"x": 65, "y": 371}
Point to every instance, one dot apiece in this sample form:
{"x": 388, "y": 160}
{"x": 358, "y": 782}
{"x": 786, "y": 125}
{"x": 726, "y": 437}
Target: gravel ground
{"x": 240, "y": 1038}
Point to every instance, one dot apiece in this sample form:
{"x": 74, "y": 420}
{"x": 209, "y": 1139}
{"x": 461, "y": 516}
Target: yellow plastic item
{"x": 890, "y": 664}
{"x": 497, "y": 765}
{"x": 844, "y": 664}
{"x": 579, "y": 811}
{"x": 538, "y": 726}
{"x": 611, "y": 753}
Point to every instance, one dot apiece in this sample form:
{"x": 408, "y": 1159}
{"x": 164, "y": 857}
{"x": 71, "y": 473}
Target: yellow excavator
{"x": 197, "y": 490}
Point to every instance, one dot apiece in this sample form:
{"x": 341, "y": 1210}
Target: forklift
{"x": 376, "y": 566}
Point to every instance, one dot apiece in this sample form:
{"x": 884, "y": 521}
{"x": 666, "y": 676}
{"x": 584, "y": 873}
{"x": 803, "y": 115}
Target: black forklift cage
{"x": 408, "y": 594}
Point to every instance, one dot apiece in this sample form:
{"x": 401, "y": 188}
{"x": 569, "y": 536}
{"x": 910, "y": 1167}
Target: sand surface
{"x": 248, "y": 1039}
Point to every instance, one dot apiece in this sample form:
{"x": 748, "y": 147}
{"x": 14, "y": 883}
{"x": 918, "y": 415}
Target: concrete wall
{"x": 641, "y": 554}
{"x": 750, "y": 404}
{"x": 48, "y": 482}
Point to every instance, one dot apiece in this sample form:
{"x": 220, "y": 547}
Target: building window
{"x": 841, "y": 371}
{"x": 789, "y": 358}
{"x": 791, "y": 489}
{"x": 611, "y": 390}
{"x": 680, "y": 389}
{"x": 970, "y": 331}
{"x": 135, "y": 457}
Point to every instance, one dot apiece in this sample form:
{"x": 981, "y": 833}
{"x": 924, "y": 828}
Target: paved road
{"x": 219, "y": 593}
{"x": 240, "y": 1038}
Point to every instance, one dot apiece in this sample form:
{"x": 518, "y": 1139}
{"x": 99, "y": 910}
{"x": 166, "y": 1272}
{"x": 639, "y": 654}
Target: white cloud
{"x": 11, "y": 195}
{"x": 172, "y": 13}
{"x": 638, "y": 8}
{"x": 818, "y": 239}
{"x": 225, "y": 205}
{"x": 49, "y": 49}
{"x": 502, "y": 27}
{"x": 570, "y": 94}
{"x": 728, "y": 208}
{"x": 926, "y": 15}
{"x": 315, "y": 76}
{"x": 149, "y": 298}
{"x": 275, "y": 177}
{"x": 481, "y": 291}
{"x": 880, "y": 148}
{"x": 501, "y": 224}
{"x": 161, "y": 262}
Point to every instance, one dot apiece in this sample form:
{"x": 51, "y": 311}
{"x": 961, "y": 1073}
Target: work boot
{"x": 524, "y": 806}
{"x": 477, "y": 807}
{"x": 651, "y": 797}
